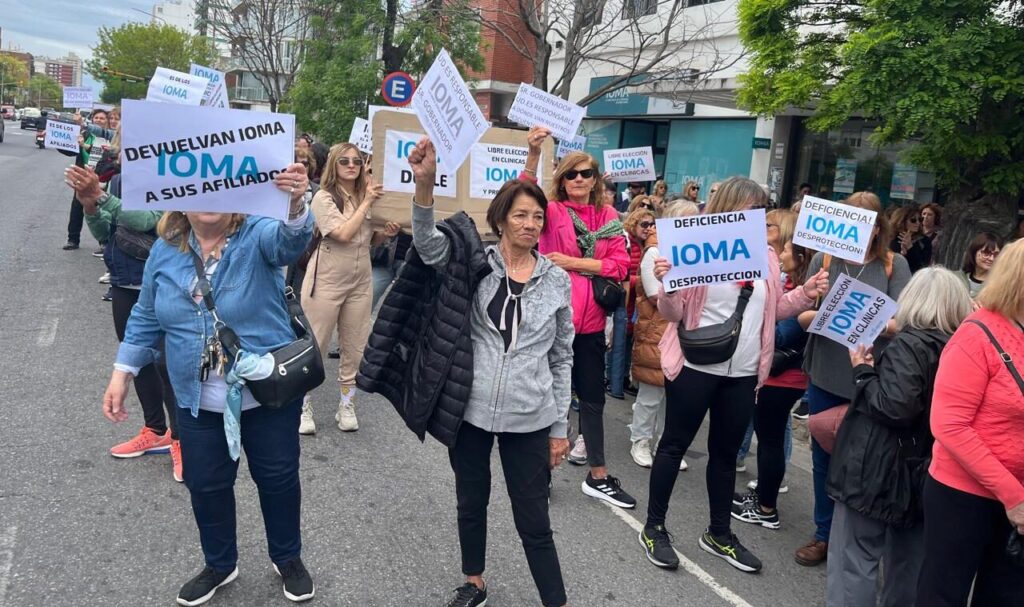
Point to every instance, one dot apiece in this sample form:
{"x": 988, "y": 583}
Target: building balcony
{"x": 249, "y": 94}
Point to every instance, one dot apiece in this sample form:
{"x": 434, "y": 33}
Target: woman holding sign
{"x": 584, "y": 237}
{"x": 724, "y": 382}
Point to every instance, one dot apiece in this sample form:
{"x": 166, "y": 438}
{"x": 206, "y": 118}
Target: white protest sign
{"x": 185, "y": 158}
{"x": 62, "y": 136}
{"x": 398, "y": 175}
{"x": 712, "y": 249}
{"x": 102, "y": 106}
{"x": 171, "y": 86}
{"x": 361, "y": 136}
{"x": 853, "y": 313}
{"x": 576, "y": 144}
{"x": 215, "y": 95}
{"x": 448, "y": 113}
{"x": 78, "y": 97}
{"x": 492, "y": 164}
{"x": 630, "y": 164}
{"x": 534, "y": 107}
{"x": 372, "y": 110}
{"x": 837, "y": 229}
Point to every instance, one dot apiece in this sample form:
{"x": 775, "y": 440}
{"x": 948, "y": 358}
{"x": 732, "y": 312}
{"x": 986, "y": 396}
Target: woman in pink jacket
{"x": 728, "y": 388}
{"x": 584, "y": 237}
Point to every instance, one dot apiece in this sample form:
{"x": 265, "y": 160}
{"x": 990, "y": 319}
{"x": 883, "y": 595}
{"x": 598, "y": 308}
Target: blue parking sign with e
{"x": 397, "y": 88}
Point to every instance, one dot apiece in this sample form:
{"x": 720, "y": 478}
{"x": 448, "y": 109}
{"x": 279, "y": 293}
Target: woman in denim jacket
{"x": 243, "y": 256}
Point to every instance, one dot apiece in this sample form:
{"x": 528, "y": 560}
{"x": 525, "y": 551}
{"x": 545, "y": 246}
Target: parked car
{"x": 1, "y": 131}
{"x": 30, "y": 118}
{"x": 7, "y": 112}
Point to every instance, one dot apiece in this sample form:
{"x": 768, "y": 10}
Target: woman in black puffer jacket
{"x": 882, "y": 450}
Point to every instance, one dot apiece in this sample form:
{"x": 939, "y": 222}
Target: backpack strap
{"x": 1007, "y": 360}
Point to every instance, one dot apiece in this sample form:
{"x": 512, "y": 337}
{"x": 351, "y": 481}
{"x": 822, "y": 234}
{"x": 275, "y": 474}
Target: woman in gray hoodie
{"x": 522, "y": 332}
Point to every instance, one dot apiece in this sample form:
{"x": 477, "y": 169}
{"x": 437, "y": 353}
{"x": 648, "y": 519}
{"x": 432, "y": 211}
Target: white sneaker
{"x": 741, "y": 465}
{"x": 346, "y": 417}
{"x": 578, "y": 455}
{"x": 683, "y": 465}
{"x": 105, "y": 279}
{"x": 752, "y": 485}
{"x": 641, "y": 453}
{"x": 306, "y": 423}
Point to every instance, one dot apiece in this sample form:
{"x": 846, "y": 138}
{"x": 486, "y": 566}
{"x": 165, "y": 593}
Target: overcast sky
{"x": 55, "y": 27}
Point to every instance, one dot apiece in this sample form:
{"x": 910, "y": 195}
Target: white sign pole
{"x": 630, "y": 164}
{"x": 853, "y": 313}
{"x": 713, "y": 249}
{"x": 534, "y": 107}
{"x": 841, "y": 230}
{"x": 170, "y": 86}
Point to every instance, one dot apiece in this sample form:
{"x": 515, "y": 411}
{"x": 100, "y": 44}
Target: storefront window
{"x": 707, "y": 151}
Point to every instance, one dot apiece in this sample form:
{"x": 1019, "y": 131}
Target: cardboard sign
{"x": 62, "y": 136}
{"x": 361, "y": 137}
{"x": 853, "y": 313}
{"x": 713, "y": 249}
{"x": 170, "y": 86}
{"x": 396, "y": 205}
{"x": 184, "y": 158}
{"x": 397, "y": 174}
{"x": 216, "y": 95}
{"x": 630, "y": 164}
{"x": 576, "y": 144}
{"x": 492, "y": 164}
{"x": 837, "y": 229}
{"x": 448, "y": 112}
{"x": 534, "y": 107}
{"x": 78, "y": 97}
{"x": 372, "y": 110}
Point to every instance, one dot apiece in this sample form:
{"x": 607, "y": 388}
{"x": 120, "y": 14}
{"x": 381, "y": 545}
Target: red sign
{"x": 397, "y": 89}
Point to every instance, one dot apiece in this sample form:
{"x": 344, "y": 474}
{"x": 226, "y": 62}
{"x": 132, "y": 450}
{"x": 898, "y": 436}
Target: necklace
{"x": 512, "y": 267}
{"x": 846, "y": 265}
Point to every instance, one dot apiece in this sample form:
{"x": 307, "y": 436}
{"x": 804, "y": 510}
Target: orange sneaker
{"x": 147, "y": 441}
{"x": 176, "y": 460}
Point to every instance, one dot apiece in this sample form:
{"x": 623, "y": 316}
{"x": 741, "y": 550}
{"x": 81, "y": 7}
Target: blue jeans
{"x": 787, "y": 445}
{"x": 270, "y": 438}
{"x": 617, "y": 360}
{"x": 819, "y": 400}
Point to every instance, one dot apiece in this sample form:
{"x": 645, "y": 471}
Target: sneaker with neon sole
{"x": 176, "y": 467}
{"x": 147, "y": 441}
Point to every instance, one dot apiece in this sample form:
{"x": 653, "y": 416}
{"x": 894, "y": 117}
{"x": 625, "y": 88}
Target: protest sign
{"x": 491, "y": 165}
{"x": 576, "y": 144}
{"x": 630, "y": 164}
{"x": 170, "y": 86}
{"x": 397, "y": 175}
{"x": 62, "y": 136}
{"x": 712, "y": 249}
{"x": 102, "y": 106}
{"x": 184, "y": 158}
{"x": 838, "y": 229}
{"x": 79, "y": 97}
{"x": 853, "y": 313}
{"x": 361, "y": 137}
{"x": 448, "y": 112}
{"x": 215, "y": 95}
{"x": 372, "y": 110}
{"x": 534, "y": 107}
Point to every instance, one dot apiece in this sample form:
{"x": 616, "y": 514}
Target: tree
{"x": 138, "y": 49}
{"x": 947, "y": 74}
{"x": 13, "y": 74}
{"x": 41, "y": 91}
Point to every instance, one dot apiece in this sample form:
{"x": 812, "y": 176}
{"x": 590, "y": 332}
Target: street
{"x": 80, "y": 528}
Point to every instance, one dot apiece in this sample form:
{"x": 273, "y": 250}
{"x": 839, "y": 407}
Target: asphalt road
{"x": 80, "y": 528}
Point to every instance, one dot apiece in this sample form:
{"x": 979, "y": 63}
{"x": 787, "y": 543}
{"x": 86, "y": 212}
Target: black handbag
{"x": 784, "y": 359}
{"x": 134, "y": 243}
{"x": 298, "y": 366}
{"x": 715, "y": 343}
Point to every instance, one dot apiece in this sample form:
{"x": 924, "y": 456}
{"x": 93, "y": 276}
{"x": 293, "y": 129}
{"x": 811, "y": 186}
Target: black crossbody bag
{"x": 298, "y": 366}
{"x": 715, "y": 343}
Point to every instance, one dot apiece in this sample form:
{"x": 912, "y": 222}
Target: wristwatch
{"x": 102, "y": 200}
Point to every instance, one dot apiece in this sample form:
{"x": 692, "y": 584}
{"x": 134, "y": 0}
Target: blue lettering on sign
{"x": 62, "y": 135}
{"x": 620, "y": 164}
{"x": 185, "y": 164}
{"x": 692, "y": 254}
{"x": 845, "y": 317}
{"x": 830, "y": 227}
{"x": 500, "y": 175}
{"x": 174, "y": 91}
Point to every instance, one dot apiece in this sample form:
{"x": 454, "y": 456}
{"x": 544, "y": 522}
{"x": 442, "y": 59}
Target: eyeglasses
{"x": 646, "y": 205}
{"x": 344, "y": 161}
{"x": 989, "y": 254}
{"x": 573, "y": 173}
{"x": 647, "y": 225}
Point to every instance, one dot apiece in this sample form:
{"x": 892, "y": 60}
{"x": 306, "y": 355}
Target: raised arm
{"x": 282, "y": 242}
{"x": 433, "y": 246}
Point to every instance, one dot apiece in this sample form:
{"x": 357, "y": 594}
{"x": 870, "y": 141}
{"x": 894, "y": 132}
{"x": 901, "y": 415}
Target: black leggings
{"x": 688, "y": 398}
{"x": 965, "y": 540}
{"x": 152, "y": 385}
{"x": 588, "y": 352}
{"x": 771, "y": 415}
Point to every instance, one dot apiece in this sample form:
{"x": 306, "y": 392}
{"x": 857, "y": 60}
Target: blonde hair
{"x": 868, "y": 201}
{"x": 329, "y": 178}
{"x": 115, "y": 143}
{"x": 935, "y": 298}
{"x": 786, "y": 221}
{"x": 569, "y": 161}
{"x": 637, "y": 201}
{"x": 682, "y": 208}
{"x": 736, "y": 194}
{"x": 634, "y": 218}
{"x": 174, "y": 227}
{"x": 1004, "y": 286}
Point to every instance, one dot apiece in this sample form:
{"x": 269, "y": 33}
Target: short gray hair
{"x": 681, "y": 208}
{"x": 935, "y": 298}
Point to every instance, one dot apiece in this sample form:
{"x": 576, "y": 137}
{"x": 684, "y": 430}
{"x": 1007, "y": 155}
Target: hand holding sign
{"x": 661, "y": 268}
{"x": 373, "y": 190}
{"x": 861, "y": 355}
{"x": 293, "y": 180}
{"x": 817, "y": 285}
{"x": 535, "y": 138}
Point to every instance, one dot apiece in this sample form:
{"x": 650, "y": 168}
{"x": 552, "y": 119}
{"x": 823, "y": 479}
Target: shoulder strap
{"x": 741, "y": 303}
{"x": 1007, "y": 360}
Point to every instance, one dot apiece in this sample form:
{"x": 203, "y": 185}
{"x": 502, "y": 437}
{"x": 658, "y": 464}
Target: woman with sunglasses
{"x": 909, "y": 240}
{"x": 658, "y": 197}
{"x": 691, "y": 192}
{"x": 336, "y": 292}
{"x": 583, "y": 236}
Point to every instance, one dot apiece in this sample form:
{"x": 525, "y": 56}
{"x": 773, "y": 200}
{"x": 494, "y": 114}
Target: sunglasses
{"x": 914, "y": 219}
{"x": 353, "y": 161}
{"x": 695, "y": 188}
{"x": 585, "y": 173}
{"x": 646, "y": 224}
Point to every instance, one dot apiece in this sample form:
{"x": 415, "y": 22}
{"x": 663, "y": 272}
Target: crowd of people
{"x": 918, "y": 480}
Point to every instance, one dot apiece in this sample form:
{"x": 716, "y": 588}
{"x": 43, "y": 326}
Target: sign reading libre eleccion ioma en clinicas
{"x": 853, "y": 313}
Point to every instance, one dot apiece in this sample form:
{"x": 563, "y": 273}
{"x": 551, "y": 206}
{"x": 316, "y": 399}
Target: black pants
{"x": 152, "y": 385}
{"x": 75, "y": 220}
{"x": 588, "y": 352}
{"x": 771, "y": 415}
{"x": 524, "y": 461}
{"x": 965, "y": 540}
{"x": 688, "y": 398}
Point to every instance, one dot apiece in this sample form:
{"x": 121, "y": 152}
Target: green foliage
{"x": 138, "y": 49}
{"x": 42, "y": 91}
{"x": 13, "y": 74}
{"x": 948, "y": 73}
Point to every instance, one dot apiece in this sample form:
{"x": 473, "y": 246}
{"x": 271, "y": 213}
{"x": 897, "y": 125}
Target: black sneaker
{"x": 298, "y": 586}
{"x": 609, "y": 490}
{"x": 70, "y": 245}
{"x": 631, "y": 390}
{"x": 335, "y": 353}
{"x": 751, "y": 512}
{"x": 741, "y": 499}
{"x": 468, "y": 595}
{"x": 801, "y": 411}
{"x": 201, "y": 588}
{"x": 109, "y": 295}
{"x": 657, "y": 542}
{"x": 731, "y": 550}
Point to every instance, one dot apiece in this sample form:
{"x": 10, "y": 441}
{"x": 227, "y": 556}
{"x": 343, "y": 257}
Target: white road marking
{"x": 6, "y": 560}
{"x": 48, "y": 332}
{"x": 692, "y": 568}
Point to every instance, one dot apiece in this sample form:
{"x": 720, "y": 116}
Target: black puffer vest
{"x": 420, "y": 353}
